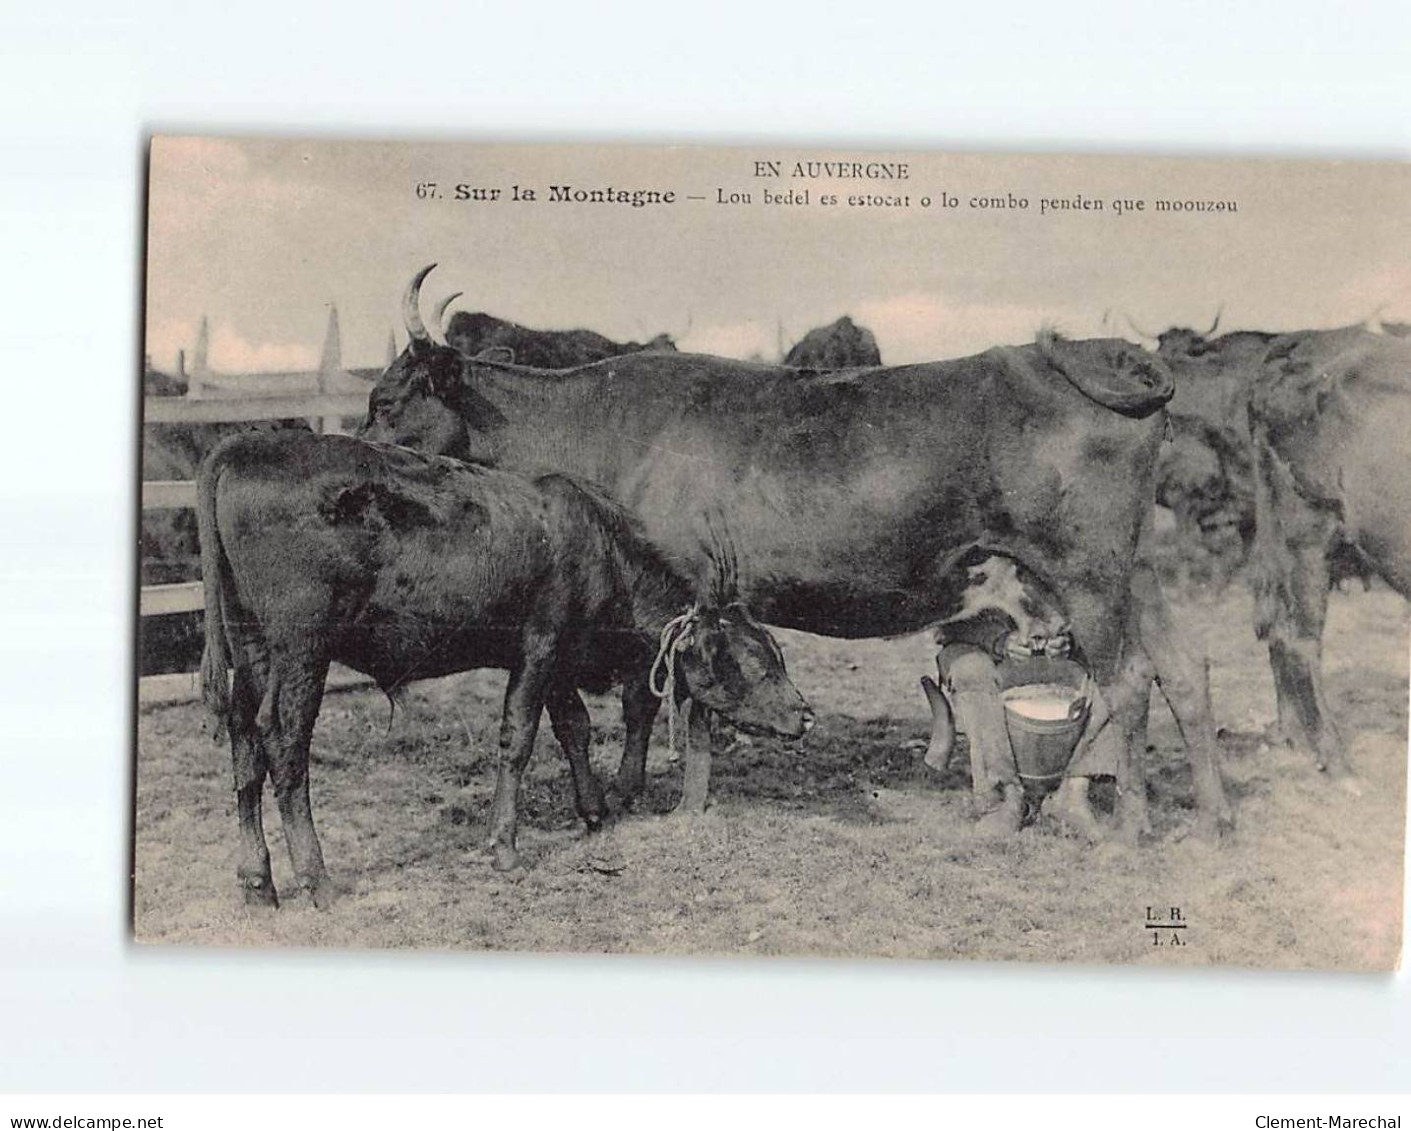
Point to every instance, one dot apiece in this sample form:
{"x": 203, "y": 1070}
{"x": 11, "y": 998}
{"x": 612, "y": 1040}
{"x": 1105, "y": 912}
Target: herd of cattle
{"x": 584, "y": 514}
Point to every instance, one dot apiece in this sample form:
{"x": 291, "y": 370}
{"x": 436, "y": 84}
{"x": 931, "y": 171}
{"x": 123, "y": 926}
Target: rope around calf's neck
{"x": 676, "y": 637}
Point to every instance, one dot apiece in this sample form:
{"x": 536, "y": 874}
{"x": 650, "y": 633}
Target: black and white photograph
{"x": 773, "y": 551}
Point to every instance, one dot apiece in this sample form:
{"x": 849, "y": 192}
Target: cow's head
{"x": 1178, "y": 343}
{"x": 727, "y": 661}
{"x": 662, "y": 343}
{"x": 418, "y": 400}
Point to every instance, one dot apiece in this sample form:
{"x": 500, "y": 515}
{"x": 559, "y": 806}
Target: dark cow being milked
{"x": 406, "y": 566}
{"x": 1330, "y": 418}
{"x": 839, "y": 345}
{"x": 476, "y": 333}
{"x": 853, "y": 497}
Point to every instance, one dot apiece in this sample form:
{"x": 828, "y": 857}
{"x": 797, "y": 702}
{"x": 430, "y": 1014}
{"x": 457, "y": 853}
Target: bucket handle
{"x": 1078, "y": 709}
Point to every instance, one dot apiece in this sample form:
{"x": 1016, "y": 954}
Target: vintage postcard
{"x": 774, "y": 551}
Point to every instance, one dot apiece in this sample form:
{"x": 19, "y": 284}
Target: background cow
{"x": 1330, "y": 418}
{"x": 475, "y": 333}
{"x": 1205, "y": 476}
{"x": 839, "y": 345}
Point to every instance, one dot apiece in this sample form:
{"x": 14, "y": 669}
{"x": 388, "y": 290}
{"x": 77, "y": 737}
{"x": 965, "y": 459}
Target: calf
{"x": 404, "y": 567}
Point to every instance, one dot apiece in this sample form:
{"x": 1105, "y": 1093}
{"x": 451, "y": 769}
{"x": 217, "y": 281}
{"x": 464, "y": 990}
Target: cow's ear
{"x": 444, "y": 381}
{"x": 1050, "y": 343}
{"x": 501, "y": 354}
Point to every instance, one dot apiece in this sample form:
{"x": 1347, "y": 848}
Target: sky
{"x": 261, "y": 236}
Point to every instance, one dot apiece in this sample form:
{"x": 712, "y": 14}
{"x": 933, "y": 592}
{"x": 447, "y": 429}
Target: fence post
{"x": 195, "y": 380}
{"x": 329, "y": 364}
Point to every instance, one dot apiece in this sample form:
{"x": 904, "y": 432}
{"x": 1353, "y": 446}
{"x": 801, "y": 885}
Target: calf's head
{"x": 732, "y": 665}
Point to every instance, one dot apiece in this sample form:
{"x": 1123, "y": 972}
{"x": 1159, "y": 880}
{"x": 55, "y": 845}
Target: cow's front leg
{"x": 639, "y": 712}
{"x": 574, "y": 731}
{"x": 695, "y": 778}
{"x": 979, "y": 714}
{"x": 519, "y": 725}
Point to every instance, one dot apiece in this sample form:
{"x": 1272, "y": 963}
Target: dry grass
{"x": 846, "y": 846}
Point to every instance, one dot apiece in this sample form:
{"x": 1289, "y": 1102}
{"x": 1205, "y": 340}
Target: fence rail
{"x": 168, "y": 494}
{"x": 229, "y": 410}
{"x": 184, "y": 687}
{"x": 188, "y": 596}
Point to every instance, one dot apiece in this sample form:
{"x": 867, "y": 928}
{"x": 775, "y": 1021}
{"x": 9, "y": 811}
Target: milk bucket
{"x": 1046, "y": 705}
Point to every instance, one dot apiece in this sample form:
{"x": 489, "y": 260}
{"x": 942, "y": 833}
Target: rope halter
{"x": 676, "y": 637}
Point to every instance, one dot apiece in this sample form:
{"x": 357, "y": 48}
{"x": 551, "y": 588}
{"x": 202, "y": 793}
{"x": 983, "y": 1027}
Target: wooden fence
{"x": 325, "y": 397}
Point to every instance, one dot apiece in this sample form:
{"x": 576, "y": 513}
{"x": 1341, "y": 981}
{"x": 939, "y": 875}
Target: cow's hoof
{"x": 1076, "y": 815}
{"x": 1134, "y": 831}
{"x": 1004, "y": 819}
{"x": 594, "y": 822}
{"x": 684, "y": 810}
{"x": 1214, "y": 828}
{"x": 504, "y": 859}
{"x": 260, "y": 892}
{"x": 321, "y": 893}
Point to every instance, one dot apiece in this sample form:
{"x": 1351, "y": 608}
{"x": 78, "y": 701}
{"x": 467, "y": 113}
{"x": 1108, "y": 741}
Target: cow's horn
{"x": 442, "y": 307}
{"x": 411, "y": 302}
{"x": 1219, "y": 310}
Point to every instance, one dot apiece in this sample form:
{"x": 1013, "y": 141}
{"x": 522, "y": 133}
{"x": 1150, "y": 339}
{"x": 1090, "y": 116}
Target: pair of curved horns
{"x": 1219, "y": 312}
{"x": 411, "y": 307}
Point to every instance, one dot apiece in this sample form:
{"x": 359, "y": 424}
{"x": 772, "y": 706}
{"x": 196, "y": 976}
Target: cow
{"x": 476, "y": 333}
{"x": 1330, "y": 419}
{"x": 853, "y": 496}
{"x": 839, "y": 345}
{"x": 1206, "y": 477}
{"x": 406, "y": 566}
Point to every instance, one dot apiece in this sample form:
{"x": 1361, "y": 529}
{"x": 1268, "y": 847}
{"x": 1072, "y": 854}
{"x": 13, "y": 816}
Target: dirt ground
{"x": 844, "y": 846}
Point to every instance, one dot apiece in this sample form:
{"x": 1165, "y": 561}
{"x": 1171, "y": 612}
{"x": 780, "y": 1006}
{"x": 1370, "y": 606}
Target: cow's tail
{"x": 215, "y": 579}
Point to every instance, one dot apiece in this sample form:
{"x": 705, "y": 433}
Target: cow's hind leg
{"x": 251, "y": 768}
{"x": 639, "y": 712}
{"x": 519, "y": 725}
{"x": 1105, "y": 628}
{"x": 1295, "y": 639}
{"x": 574, "y": 731}
{"x": 1183, "y": 683}
{"x": 287, "y": 715}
